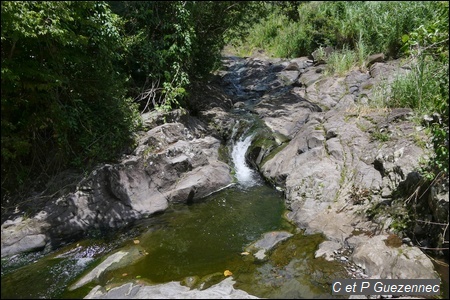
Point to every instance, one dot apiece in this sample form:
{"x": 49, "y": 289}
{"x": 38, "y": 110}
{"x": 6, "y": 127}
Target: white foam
{"x": 245, "y": 175}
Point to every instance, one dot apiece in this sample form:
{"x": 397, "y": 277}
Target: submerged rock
{"x": 114, "y": 261}
{"x": 267, "y": 242}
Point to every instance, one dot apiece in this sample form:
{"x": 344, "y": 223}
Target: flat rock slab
{"x": 326, "y": 249}
{"x": 114, "y": 261}
{"x": 382, "y": 261}
{"x": 170, "y": 290}
{"x": 267, "y": 242}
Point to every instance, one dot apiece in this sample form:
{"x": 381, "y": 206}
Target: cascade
{"x": 246, "y": 176}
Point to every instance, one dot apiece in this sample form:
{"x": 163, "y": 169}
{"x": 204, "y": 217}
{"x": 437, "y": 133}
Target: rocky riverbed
{"x": 336, "y": 157}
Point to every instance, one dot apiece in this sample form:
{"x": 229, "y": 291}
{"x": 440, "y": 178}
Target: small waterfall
{"x": 245, "y": 175}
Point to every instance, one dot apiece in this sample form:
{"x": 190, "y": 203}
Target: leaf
{"x": 245, "y": 253}
{"x": 227, "y": 273}
{"x": 405, "y": 38}
{"x": 136, "y": 242}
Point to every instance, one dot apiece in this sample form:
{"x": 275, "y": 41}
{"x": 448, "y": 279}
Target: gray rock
{"x": 382, "y": 261}
{"x": 309, "y": 77}
{"x": 22, "y": 235}
{"x": 378, "y": 57}
{"x": 171, "y": 163}
{"x": 327, "y": 250}
{"x": 170, "y": 290}
{"x": 267, "y": 242}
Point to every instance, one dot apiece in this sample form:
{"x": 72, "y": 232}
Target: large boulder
{"x": 172, "y": 162}
{"x": 341, "y": 158}
{"x": 381, "y": 260}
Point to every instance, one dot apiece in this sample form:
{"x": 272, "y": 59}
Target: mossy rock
{"x": 191, "y": 281}
{"x": 393, "y": 241}
{"x": 210, "y": 280}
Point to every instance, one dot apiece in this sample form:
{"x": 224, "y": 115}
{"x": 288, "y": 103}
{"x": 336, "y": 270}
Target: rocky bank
{"x": 336, "y": 157}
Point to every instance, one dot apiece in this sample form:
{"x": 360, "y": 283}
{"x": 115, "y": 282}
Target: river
{"x": 197, "y": 241}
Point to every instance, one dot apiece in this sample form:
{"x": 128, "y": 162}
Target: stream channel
{"x": 193, "y": 244}
{"x": 189, "y": 243}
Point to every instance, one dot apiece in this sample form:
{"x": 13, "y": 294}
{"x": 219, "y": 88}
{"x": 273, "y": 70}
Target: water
{"x": 245, "y": 176}
{"x": 189, "y": 243}
{"x": 196, "y": 240}
{"x": 207, "y": 237}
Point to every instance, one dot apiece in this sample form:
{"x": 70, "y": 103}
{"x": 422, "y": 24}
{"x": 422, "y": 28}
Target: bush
{"x": 62, "y": 91}
{"x": 341, "y": 24}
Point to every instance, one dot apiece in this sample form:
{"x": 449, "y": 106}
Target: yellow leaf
{"x": 245, "y": 253}
{"x": 136, "y": 242}
{"x": 227, "y": 273}
{"x": 124, "y": 274}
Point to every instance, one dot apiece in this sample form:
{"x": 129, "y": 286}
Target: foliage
{"x": 170, "y": 44}
{"x": 158, "y": 41}
{"x": 216, "y": 23}
{"x": 340, "y": 62}
{"x": 340, "y": 24}
{"x": 426, "y": 87}
{"x": 74, "y": 72}
{"x": 62, "y": 92}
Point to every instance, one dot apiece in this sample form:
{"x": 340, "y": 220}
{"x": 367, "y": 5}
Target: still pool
{"x": 194, "y": 243}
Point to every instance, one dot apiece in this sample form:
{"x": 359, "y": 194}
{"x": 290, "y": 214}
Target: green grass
{"x": 341, "y": 62}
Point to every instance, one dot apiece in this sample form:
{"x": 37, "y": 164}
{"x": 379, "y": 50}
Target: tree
{"x": 170, "y": 44}
{"x": 62, "y": 90}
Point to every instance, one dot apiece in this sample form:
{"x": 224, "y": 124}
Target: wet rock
{"x": 171, "y": 290}
{"x": 114, "y": 261}
{"x": 267, "y": 242}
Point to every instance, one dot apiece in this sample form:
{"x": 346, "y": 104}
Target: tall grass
{"x": 356, "y": 29}
{"x": 419, "y": 89}
{"x": 377, "y": 25}
{"x": 263, "y": 34}
{"x": 340, "y": 62}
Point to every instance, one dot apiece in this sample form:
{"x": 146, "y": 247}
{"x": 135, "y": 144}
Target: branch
{"x": 429, "y": 222}
{"x": 149, "y": 94}
{"x": 437, "y": 249}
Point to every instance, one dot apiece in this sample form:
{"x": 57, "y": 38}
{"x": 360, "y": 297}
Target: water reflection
{"x": 199, "y": 239}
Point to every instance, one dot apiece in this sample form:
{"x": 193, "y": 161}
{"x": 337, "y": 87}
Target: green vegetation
{"x": 62, "y": 92}
{"x": 414, "y": 31}
{"x": 170, "y": 44}
{"x": 76, "y": 74}
{"x": 340, "y": 24}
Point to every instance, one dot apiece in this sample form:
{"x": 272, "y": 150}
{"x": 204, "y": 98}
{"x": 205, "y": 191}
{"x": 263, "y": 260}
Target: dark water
{"x": 197, "y": 243}
{"x": 206, "y": 237}
{"x": 199, "y": 239}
